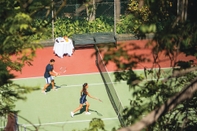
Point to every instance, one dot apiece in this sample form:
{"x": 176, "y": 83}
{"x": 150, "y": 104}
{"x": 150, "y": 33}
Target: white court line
{"x": 65, "y": 122}
{"x": 97, "y": 84}
{"x": 84, "y": 74}
{"x": 91, "y": 84}
{"x": 57, "y": 76}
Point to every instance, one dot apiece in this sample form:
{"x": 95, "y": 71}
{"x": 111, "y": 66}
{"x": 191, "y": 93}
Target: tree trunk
{"x": 83, "y": 7}
{"x": 141, "y": 3}
{"x": 11, "y": 123}
{"x": 182, "y": 9}
{"x": 181, "y": 12}
{"x": 92, "y": 11}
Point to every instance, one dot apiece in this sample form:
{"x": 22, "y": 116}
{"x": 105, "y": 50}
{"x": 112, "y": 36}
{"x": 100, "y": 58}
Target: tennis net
{"x": 116, "y": 103}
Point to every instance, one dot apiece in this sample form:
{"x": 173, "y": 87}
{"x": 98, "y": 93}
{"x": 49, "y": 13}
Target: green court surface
{"x": 125, "y": 93}
{"x": 51, "y": 112}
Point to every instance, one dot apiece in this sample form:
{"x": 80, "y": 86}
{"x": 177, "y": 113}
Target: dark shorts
{"x": 82, "y": 100}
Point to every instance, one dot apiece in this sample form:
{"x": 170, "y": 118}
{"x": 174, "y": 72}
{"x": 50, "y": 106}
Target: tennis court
{"x": 51, "y": 112}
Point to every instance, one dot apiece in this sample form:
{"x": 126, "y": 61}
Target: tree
{"x": 170, "y": 104}
{"x": 90, "y": 7}
{"x": 20, "y": 32}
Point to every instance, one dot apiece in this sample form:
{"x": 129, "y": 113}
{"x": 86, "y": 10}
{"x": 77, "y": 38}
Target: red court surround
{"x": 82, "y": 61}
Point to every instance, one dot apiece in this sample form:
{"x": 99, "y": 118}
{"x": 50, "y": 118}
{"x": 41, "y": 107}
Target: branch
{"x": 179, "y": 73}
{"x": 83, "y": 7}
{"x": 153, "y": 116}
{"x": 176, "y": 21}
{"x": 61, "y": 6}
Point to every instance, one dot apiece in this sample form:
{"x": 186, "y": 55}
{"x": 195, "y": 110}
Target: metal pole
{"x": 76, "y": 7}
{"x": 115, "y": 17}
{"x": 52, "y": 13}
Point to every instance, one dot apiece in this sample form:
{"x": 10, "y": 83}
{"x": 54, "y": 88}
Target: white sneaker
{"x": 72, "y": 114}
{"x": 87, "y": 113}
{"x": 55, "y": 89}
{"x": 44, "y": 92}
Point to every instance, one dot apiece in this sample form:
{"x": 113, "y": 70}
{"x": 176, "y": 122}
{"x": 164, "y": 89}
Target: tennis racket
{"x": 99, "y": 114}
{"x": 62, "y": 70}
{"x": 99, "y": 100}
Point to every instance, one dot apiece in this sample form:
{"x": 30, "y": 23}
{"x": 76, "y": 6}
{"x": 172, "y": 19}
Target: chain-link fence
{"x": 92, "y": 9}
{"x": 103, "y": 13}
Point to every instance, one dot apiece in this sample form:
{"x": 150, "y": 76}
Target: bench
{"x": 90, "y": 40}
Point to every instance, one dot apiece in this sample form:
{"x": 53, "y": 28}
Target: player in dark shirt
{"x": 83, "y": 100}
{"x": 48, "y": 75}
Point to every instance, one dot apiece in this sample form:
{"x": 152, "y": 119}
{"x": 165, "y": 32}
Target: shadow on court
{"x": 82, "y": 110}
{"x": 91, "y": 110}
{"x": 49, "y": 88}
